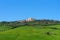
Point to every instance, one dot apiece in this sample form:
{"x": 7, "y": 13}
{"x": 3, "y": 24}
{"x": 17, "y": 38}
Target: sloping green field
{"x": 32, "y": 33}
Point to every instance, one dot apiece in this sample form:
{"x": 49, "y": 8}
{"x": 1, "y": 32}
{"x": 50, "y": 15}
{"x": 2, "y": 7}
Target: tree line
{"x": 15, "y": 24}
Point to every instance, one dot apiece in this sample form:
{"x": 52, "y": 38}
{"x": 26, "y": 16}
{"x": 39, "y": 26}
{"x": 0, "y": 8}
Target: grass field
{"x": 32, "y": 33}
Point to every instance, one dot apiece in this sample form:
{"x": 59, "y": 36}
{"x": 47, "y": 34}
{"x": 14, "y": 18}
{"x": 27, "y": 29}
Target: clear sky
{"x": 21, "y": 9}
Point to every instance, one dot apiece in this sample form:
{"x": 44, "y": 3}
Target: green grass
{"x": 31, "y": 33}
{"x": 4, "y": 28}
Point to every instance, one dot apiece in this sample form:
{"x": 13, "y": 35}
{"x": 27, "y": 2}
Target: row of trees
{"x": 36, "y": 22}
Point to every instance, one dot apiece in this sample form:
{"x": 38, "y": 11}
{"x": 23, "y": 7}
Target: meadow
{"x": 51, "y": 32}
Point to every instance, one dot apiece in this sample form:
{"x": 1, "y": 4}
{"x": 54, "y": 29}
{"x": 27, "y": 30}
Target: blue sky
{"x": 11, "y": 10}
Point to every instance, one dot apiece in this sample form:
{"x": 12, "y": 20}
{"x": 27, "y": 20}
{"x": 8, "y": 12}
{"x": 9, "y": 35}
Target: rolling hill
{"x": 30, "y": 29}
{"x": 32, "y": 33}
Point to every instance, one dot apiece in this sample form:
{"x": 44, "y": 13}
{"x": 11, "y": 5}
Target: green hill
{"x": 30, "y": 30}
{"x": 36, "y": 32}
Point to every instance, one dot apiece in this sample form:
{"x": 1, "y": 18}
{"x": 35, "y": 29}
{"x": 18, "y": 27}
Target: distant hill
{"x": 29, "y": 21}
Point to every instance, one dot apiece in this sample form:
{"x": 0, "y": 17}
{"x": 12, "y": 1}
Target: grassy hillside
{"x": 4, "y": 28}
{"x": 32, "y": 33}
